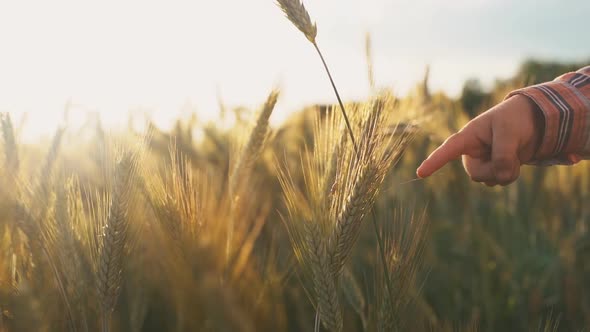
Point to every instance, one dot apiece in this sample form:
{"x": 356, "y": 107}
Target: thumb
{"x": 505, "y": 162}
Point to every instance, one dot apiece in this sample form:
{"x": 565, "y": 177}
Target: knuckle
{"x": 477, "y": 178}
{"x": 503, "y": 169}
{"x": 506, "y": 178}
{"x": 505, "y": 183}
{"x": 453, "y": 137}
{"x": 456, "y": 137}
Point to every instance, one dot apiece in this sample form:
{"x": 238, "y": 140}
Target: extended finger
{"x": 451, "y": 149}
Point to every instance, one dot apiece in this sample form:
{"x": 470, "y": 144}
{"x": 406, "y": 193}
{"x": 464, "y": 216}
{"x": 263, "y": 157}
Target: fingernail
{"x": 420, "y": 173}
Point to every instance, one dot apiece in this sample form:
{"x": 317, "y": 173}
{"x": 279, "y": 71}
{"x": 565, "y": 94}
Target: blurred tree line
{"x": 475, "y": 98}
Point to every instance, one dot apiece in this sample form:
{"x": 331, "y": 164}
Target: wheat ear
{"x": 11, "y": 160}
{"x": 298, "y": 15}
{"x": 404, "y": 243}
{"x": 114, "y": 238}
{"x": 247, "y": 158}
{"x": 323, "y": 280}
{"x": 307, "y": 228}
{"x": 254, "y": 145}
{"x": 369, "y": 57}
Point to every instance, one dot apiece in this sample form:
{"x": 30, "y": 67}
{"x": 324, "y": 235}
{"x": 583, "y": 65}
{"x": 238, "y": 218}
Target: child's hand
{"x": 494, "y": 145}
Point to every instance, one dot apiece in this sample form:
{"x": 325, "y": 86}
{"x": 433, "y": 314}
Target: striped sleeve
{"x": 565, "y": 103}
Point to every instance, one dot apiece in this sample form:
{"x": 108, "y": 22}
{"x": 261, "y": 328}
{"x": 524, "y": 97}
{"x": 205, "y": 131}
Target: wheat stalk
{"x": 299, "y": 18}
{"x": 298, "y": 15}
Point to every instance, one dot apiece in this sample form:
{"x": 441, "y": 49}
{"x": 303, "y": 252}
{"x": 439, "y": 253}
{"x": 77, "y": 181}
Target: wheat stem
{"x": 348, "y": 126}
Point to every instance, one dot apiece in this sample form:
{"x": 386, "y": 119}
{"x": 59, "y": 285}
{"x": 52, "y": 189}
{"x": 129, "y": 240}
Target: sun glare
{"x": 113, "y": 57}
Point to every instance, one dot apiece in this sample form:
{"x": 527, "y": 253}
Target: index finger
{"x": 451, "y": 149}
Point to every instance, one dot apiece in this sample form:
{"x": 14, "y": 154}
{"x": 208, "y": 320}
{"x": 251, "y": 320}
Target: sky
{"x": 170, "y": 57}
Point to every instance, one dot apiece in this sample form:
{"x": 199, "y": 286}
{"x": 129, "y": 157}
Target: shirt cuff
{"x": 566, "y": 111}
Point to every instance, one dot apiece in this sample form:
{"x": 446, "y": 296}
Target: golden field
{"x": 316, "y": 225}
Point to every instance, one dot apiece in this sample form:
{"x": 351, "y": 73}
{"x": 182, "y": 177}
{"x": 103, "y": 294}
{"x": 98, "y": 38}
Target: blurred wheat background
{"x": 315, "y": 225}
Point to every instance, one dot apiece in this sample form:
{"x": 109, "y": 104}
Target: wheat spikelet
{"x": 323, "y": 280}
{"x": 53, "y": 153}
{"x": 329, "y": 153}
{"x": 10, "y": 149}
{"x": 39, "y": 225}
{"x": 354, "y": 294}
{"x": 181, "y": 196}
{"x": 362, "y": 178}
{"x": 369, "y": 57}
{"x": 162, "y": 195}
{"x": 404, "y": 241}
{"x": 254, "y": 144}
{"x": 66, "y": 246}
{"x": 246, "y": 160}
{"x": 348, "y": 222}
{"x": 114, "y": 238}
{"x": 35, "y": 210}
{"x": 386, "y": 319}
{"x": 308, "y": 226}
{"x": 324, "y": 229}
{"x": 298, "y": 15}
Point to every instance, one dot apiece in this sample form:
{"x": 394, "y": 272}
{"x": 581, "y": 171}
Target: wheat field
{"x": 317, "y": 225}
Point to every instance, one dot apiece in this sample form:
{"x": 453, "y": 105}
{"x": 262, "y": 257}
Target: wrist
{"x": 538, "y": 123}
{"x": 535, "y": 123}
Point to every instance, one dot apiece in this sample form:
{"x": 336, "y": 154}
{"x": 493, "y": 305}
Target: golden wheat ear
{"x": 254, "y": 145}
{"x": 369, "y": 57}
{"x": 404, "y": 242}
{"x": 11, "y": 160}
{"x": 298, "y": 15}
{"x": 113, "y": 236}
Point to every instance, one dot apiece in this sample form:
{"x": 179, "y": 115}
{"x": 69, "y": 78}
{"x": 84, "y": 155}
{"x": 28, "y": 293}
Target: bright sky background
{"x": 168, "y": 56}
